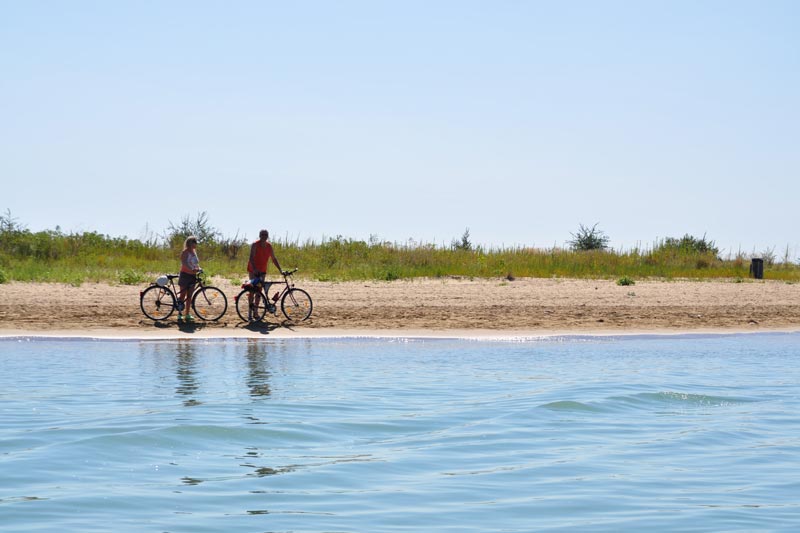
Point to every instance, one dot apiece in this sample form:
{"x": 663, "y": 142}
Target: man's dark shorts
{"x": 186, "y": 280}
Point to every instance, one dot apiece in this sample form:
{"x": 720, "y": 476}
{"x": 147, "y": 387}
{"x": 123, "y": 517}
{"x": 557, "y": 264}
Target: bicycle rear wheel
{"x": 157, "y": 303}
{"x": 247, "y": 309}
{"x": 296, "y": 305}
{"x": 209, "y": 303}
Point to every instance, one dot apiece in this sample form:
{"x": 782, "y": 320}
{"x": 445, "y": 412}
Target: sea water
{"x": 683, "y": 433}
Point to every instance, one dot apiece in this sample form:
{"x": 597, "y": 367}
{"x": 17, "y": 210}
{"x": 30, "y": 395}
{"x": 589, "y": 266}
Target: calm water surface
{"x": 665, "y": 434}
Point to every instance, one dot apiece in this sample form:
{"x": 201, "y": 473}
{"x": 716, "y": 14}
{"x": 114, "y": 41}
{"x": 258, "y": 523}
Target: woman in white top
{"x": 190, "y": 266}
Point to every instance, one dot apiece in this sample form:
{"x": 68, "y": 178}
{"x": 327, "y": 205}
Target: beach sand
{"x": 448, "y": 307}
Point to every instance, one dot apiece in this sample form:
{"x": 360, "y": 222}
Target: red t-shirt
{"x": 260, "y": 258}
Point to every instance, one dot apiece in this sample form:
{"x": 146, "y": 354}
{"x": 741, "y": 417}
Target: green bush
{"x": 131, "y": 277}
{"x": 3, "y": 276}
{"x": 200, "y": 227}
{"x": 391, "y": 275}
{"x": 688, "y": 244}
{"x": 625, "y": 281}
{"x": 589, "y": 239}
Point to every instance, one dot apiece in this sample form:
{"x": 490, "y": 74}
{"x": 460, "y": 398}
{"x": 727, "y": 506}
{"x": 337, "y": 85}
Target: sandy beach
{"x": 427, "y": 307}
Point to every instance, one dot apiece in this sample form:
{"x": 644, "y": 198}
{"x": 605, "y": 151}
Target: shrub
{"x": 624, "y": 281}
{"x": 391, "y": 275}
{"x": 588, "y": 239}
{"x": 131, "y": 277}
{"x": 231, "y": 246}
{"x": 689, "y": 244}
{"x": 3, "y": 276}
{"x": 200, "y": 227}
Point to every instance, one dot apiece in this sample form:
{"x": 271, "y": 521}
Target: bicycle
{"x": 253, "y": 302}
{"x": 159, "y": 300}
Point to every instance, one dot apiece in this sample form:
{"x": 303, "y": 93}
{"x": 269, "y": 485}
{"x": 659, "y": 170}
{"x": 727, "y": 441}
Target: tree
{"x": 464, "y": 244}
{"x": 9, "y": 224}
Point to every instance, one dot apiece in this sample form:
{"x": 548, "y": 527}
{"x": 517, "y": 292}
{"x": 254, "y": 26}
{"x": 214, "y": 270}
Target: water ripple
{"x": 666, "y": 434}
{"x": 567, "y": 405}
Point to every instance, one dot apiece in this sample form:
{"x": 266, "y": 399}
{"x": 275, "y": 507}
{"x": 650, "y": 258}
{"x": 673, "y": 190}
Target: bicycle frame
{"x": 249, "y": 301}
{"x": 171, "y": 284}
{"x": 262, "y": 287}
{"x": 167, "y": 298}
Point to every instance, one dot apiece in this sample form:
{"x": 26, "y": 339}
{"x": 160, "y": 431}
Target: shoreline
{"x": 426, "y": 308}
{"x": 282, "y": 334}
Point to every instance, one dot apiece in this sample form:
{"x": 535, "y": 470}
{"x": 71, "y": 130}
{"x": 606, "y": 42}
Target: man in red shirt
{"x": 260, "y": 255}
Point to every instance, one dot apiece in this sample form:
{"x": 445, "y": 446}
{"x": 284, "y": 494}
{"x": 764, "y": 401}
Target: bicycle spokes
{"x": 157, "y": 303}
{"x": 210, "y": 303}
{"x": 296, "y": 305}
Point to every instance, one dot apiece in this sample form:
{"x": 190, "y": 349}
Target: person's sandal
{"x": 189, "y": 318}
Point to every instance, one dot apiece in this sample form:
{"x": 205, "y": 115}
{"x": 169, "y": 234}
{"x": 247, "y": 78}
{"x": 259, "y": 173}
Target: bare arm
{"x": 252, "y": 255}
{"x": 274, "y": 259}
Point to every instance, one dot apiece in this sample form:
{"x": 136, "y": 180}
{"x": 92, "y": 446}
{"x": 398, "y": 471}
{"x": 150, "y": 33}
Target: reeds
{"x": 53, "y": 256}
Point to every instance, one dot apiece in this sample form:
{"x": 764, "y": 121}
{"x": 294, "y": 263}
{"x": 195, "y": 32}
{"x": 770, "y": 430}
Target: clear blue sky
{"x": 414, "y": 119}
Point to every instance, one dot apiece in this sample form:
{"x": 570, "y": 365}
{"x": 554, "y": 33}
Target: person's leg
{"x": 256, "y": 299}
{"x": 185, "y": 284}
{"x": 261, "y": 284}
{"x": 269, "y": 304}
{"x": 181, "y": 296}
{"x": 187, "y": 301}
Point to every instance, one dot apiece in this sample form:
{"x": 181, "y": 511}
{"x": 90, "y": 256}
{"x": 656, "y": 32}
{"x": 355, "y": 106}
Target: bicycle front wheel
{"x": 209, "y": 303}
{"x": 157, "y": 303}
{"x": 248, "y": 309}
{"x": 296, "y": 305}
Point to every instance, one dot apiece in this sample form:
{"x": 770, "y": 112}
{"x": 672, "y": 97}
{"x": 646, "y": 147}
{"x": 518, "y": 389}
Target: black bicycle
{"x": 159, "y": 300}
{"x": 253, "y": 303}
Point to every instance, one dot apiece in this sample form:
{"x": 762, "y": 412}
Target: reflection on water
{"x": 381, "y": 436}
{"x": 258, "y": 376}
{"x": 191, "y": 384}
{"x": 254, "y": 455}
{"x": 188, "y": 367}
{"x": 185, "y": 365}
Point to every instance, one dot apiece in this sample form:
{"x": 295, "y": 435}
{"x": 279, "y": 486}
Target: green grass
{"x": 52, "y": 256}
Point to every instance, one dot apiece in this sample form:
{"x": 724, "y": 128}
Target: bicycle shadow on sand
{"x": 184, "y": 327}
{"x": 189, "y": 327}
{"x": 264, "y": 328}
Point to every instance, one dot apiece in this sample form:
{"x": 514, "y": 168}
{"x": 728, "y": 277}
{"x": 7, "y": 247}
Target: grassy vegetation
{"x": 74, "y": 258}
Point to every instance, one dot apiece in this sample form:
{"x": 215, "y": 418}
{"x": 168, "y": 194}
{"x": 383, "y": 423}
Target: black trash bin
{"x": 757, "y": 268}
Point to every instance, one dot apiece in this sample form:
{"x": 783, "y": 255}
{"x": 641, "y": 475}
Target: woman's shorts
{"x": 186, "y": 280}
